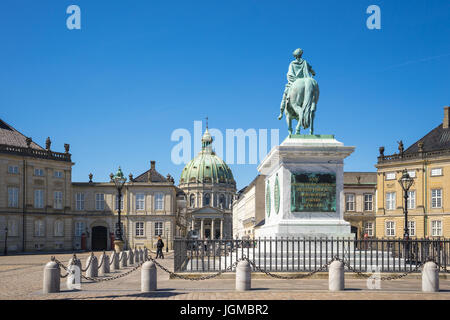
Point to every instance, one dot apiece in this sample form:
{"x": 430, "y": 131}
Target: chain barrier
{"x": 103, "y": 258}
{"x": 61, "y": 265}
{"x": 113, "y": 258}
{"x": 89, "y": 264}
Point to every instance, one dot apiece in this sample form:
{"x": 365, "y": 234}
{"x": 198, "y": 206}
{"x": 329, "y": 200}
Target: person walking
{"x": 159, "y": 247}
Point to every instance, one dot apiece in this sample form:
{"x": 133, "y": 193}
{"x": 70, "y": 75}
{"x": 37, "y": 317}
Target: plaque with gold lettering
{"x": 313, "y": 192}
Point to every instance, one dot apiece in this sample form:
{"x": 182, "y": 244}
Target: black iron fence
{"x": 309, "y": 254}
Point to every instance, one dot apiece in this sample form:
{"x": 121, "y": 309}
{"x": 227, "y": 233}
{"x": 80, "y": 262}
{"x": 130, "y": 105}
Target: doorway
{"x": 99, "y": 238}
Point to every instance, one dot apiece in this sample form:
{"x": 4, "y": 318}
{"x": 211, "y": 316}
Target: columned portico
{"x": 210, "y": 222}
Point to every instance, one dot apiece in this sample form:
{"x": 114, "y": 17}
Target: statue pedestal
{"x": 118, "y": 245}
{"x": 304, "y": 188}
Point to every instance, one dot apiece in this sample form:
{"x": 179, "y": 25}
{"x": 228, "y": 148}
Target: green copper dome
{"x": 206, "y": 167}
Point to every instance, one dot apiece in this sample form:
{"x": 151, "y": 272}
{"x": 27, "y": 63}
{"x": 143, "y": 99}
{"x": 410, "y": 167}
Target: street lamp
{"x": 119, "y": 180}
{"x": 6, "y": 241}
{"x": 167, "y": 241}
{"x": 406, "y": 182}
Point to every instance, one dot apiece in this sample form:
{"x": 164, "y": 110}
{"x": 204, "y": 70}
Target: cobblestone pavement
{"x": 21, "y": 278}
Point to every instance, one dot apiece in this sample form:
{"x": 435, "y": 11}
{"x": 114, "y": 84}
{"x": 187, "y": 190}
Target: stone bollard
{"x": 137, "y": 258}
{"x": 114, "y": 260}
{"x": 430, "y": 277}
{"x": 51, "y": 277}
{"x": 74, "y": 279}
{"x": 148, "y": 277}
{"x": 145, "y": 254}
{"x": 130, "y": 256}
{"x": 243, "y": 276}
{"x": 104, "y": 267}
{"x": 92, "y": 269}
{"x": 123, "y": 259}
{"x": 141, "y": 255}
{"x": 336, "y": 280}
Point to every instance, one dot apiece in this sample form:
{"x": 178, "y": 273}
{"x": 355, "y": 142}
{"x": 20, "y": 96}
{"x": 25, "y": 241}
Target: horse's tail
{"x": 308, "y": 100}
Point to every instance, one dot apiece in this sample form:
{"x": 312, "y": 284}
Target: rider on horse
{"x": 298, "y": 69}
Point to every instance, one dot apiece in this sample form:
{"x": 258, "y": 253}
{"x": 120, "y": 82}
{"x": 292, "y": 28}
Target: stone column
{"x": 212, "y": 229}
{"x": 221, "y": 228}
{"x": 202, "y": 228}
{"x": 193, "y": 223}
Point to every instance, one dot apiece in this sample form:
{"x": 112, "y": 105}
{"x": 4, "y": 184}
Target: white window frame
{"x": 58, "y": 174}
{"x": 411, "y": 199}
{"x": 391, "y": 176}
{"x": 99, "y": 201}
{"x": 368, "y": 203}
{"x": 412, "y": 228}
{"x": 159, "y": 201}
{"x": 159, "y": 226}
{"x": 39, "y": 198}
{"x": 79, "y": 201}
{"x": 59, "y": 228}
{"x": 140, "y": 201}
{"x": 349, "y": 204}
{"x": 436, "y": 172}
{"x": 436, "y": 228}
{"x": 38, "y": 172}
{"x": 80, "y": 228}
{"x": 39, "y": 228}
{"x": 368, "y": 228}
{"x": 13, "y": 197}
{"x": 13, "y": 228}
{"x": 12, "y": 169}
{"x": 389, "y": 227}
{"x": 391, "y": 201}
{"x": 412, "y": 173}
{"x": 139, "y": 229}
{"x": 57, "y": 200}
{"x": 436, "y": 198}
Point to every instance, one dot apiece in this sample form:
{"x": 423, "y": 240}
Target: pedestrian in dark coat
{"x": 159, "y": 247}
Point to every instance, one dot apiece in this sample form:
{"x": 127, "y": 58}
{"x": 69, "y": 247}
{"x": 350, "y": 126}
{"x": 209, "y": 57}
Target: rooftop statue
{"x": 300, "y": 95}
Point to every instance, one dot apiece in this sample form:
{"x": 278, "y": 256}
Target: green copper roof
{"x": 207, "y": 166}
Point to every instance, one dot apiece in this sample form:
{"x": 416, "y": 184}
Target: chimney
{"x": 152, "y": 164}
{"x": 446, "y": 122}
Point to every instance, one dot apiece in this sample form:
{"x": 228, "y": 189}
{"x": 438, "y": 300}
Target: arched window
{"x": 192, "y": 201}
{"x": 207, "y": 199}
{"x": 222, "y": 201}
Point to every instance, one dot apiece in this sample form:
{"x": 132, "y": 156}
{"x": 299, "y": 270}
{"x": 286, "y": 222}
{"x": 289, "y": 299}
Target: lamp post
{"x": 6, "y": 241}
{"x": 167, "y": 241}
{"x": 119, "y": 180}
{"x": 406, "y": 182}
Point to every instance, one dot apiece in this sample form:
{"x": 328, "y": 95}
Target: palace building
{"x": 43, "y": 210}
{"x": 209, "y": 186}
{"x": 428, "y": 163}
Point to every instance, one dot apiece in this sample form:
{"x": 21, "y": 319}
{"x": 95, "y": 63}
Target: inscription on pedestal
{"x": 313, "y": 192}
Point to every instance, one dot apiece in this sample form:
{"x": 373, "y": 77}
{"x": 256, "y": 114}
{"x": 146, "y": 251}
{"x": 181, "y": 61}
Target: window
{"x": 350, "y": 202}
{"x": 192, "y": 201}
{"x": 390, "y": 228}
{"x": 13, "y": 228}
{"x": 13, "y": 169}
{"x": 368, "y": 228}
{"x": 411, "y": 199}
{"x": 412, "y": 173}
{"x": 140, "y": 201}
{"x": 79, "y": 228}
{"x": 13, "y": 197}
{"x": 436, "y": 198}
{"x": 436, "y": 172}
{"x": 158, "y": 228}
{"x": 58, "y": 174}
{"x": 139, "y": 229}
{"x": 39, "y": 172}
{"x": 99, "y": 201}
{"x": 59, "y": 228}
{"x": 57, "y": 195}
{"x": 116, "y": 206}
{"x": 390, "y": 201}
{"x": 38, "y": 198}
{"x": 159, "y": 201}
{"x": 436, "y": 228}
{"x": 207, "y": 199}
{"x": 79, "y": 201}
{"x": 412, "y": 228}
{"x": 39, "y": 228}
{"x": 368, "y": 202}
{"x": 390, "y": 176}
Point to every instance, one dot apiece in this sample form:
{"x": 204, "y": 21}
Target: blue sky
{"x": 137, "y": 70}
